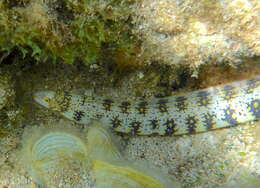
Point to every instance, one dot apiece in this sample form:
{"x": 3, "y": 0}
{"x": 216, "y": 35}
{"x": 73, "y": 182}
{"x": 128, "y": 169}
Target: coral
{"x": 58, "y": 153}
{"x": 192, "y": 33}
{"x": 108, "y": 144}
{"x": 122, "y": 176}
{"x": 64, "y": 30}
{"x": 51, "y": 154}
{"x": 111, "y": 169}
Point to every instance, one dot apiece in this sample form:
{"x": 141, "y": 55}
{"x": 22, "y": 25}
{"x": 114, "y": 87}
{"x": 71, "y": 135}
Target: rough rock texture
{"x": 195, "y": 32}
{"x": 9, "y": 118}
{"x": 8, "y": 110}
{"x": 6, "y": 89}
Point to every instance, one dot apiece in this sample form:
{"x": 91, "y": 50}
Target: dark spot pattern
{"x": 209, "y": 121}
{"x": 77, "y": 115}
{"x": 84, "y": 97}
{"x": 254, "y": 108}
{"x": 191, "y": 122}
{"x": 116, "y": 122}
{"x": 64, "y": 101}
{"x": 252, "y": 85}
{"x": 228, "y": 92}
{"x": 180, "y": 103}
{"x": 230, "y": 116}
{"x": 162, "y": 105}
{"x": 204, "y": 98}
{"x": 67, "y": 97}
{"x": 107, "y": 104}
{"x": 170, "y": 127}
{"x": 135, "y": 125}
{"x": 125, "y": 106}
{"x": 142, "y": 107}
{"x": 154, "y": 123}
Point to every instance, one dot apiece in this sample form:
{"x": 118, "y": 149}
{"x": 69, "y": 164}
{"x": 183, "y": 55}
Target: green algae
{"x": 65, "y": 30}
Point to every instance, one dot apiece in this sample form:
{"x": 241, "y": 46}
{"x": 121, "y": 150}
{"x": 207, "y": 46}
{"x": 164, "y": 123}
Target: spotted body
{"x": 193, "y": 112}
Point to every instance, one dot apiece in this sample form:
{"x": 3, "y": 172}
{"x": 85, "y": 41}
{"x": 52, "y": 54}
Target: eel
{"x": 192, "y": 112}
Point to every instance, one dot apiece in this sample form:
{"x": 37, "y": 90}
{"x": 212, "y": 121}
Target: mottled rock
{"x": 192, "y": 33}
{"x": 6, "y": 89}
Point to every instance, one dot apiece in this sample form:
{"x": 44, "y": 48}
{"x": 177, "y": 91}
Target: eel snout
{"x": 43, "y": 97}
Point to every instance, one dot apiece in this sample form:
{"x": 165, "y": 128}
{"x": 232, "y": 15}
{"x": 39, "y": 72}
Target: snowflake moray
{"x": 193, "y": 112}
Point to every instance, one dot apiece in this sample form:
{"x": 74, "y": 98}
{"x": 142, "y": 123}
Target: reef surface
{"x": 181, "y": 49}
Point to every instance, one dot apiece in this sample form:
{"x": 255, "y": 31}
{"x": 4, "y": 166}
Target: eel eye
{"x": 47, "y": 100}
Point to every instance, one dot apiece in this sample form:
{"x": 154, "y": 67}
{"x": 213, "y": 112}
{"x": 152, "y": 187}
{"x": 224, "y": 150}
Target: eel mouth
{"x": 44, "y": 97}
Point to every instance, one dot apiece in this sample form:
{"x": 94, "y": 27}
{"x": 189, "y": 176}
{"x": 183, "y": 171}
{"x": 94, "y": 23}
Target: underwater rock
{"x": 6, "y": 89}
{"x": 194, "y": 32}
{"x": 69, "y": 30}
{"x": 9, "y": 112}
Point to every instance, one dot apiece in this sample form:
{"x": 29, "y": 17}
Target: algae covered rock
{"x": 193, "y": 32}
{"x": 8, "y": 110}
{"x": 64, "y": 30}
{"x": 6, "y": 88}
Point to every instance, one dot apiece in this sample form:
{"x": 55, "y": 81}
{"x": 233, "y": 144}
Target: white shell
{"x": 49, "y": 152}
{"x": 52, "y": 148}
{"x": 51, "y": 155}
